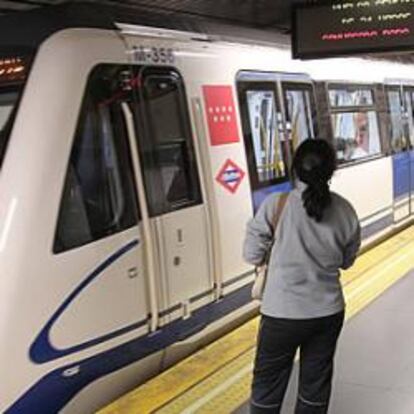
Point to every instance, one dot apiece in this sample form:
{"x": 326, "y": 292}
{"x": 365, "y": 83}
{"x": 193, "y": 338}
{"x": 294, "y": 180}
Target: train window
{"x": 346, "y": 97}
{"x": 99, "y": 196}
{"x": 398, "y": 126}
{"x": 300, "y": 112}
{"x": 409, "y": 103}
{"x": 13, "y": 74}
{"x": 170, "y": 168}
{"x": 8, "y": 100}
{"x": 266, "y": 147}
{"x": 354, "y": 123}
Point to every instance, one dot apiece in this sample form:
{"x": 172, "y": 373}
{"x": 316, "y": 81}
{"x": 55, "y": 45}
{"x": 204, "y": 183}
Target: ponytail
{"x": 314, "y": 164}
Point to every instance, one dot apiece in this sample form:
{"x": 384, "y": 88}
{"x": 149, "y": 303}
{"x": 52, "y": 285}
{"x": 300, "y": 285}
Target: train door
{"x": 278, "y": 113}
{"x": 267, "y": 147}
{"x": 409, "y": 105}
{"x": 176, "y": 212}
{"x": 400, "y": 145}
{"x": 99, "y": 231}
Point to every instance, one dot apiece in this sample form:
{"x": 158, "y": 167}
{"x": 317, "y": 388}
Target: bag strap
{"x": 275, "y": 220}
{"x": 279, "y": 210}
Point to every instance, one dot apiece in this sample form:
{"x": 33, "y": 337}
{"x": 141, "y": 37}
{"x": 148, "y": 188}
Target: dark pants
{"x": 278, "y": 342}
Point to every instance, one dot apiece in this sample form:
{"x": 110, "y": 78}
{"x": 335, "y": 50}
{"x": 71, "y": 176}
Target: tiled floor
{"x": 375, "y": 359}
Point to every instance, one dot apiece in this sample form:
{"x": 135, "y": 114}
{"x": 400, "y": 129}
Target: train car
{"x": 131, "y": 159}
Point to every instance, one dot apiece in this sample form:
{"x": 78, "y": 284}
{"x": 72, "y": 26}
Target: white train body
{"x": 82, "y": 322}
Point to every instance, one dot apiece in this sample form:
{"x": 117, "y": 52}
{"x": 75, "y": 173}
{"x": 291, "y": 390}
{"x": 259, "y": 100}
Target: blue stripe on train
{"x": 43, "y": 351}
{"x": 260, "y": 195}
{"x": 52, "y": 392}
{"x": 412, "y": 171}
{"x": 377, "y": 226}
{"x": 402, "y": 167}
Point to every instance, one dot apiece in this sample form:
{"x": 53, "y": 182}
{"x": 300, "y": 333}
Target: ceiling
{"x": 269, "y": 14}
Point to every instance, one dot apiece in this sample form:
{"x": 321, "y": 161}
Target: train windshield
{"x": 12, "y": 76}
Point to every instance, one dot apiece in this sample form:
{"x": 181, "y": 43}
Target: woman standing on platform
{"x": 303, "y": 304}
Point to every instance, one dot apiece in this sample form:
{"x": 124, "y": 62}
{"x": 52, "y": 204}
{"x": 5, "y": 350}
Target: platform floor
{"x": 375, "y": 359}
{"x": 375, "y": 366}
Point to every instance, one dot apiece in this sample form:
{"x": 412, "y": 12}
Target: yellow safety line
{"x": 218, "y": 377}
{"x": 185, "y": 374}
{"x": 378, "y": 254}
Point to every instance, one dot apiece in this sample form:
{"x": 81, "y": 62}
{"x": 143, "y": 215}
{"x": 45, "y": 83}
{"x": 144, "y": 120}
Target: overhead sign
{"x": 353, "y": 27}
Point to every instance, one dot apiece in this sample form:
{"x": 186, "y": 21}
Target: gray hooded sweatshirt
{"x": 303, "y": 275}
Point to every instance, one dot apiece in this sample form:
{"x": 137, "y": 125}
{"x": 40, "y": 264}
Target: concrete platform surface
{"x": 375, "y": 358}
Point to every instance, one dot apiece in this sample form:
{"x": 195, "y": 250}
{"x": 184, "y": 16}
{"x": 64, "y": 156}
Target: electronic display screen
{"x": 353, "y": 27}
{"x": 12, "y": 70}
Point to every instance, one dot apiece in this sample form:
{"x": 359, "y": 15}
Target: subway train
{"x": 131, "y": 158}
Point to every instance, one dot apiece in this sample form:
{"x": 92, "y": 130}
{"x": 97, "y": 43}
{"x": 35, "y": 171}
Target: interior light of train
{"x": 12, "y": 70}
{"x": 353, "y": 27}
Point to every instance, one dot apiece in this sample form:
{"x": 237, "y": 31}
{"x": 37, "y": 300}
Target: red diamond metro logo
{"x": 230, "y": 176}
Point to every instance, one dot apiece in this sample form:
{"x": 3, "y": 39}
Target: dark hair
{"x": 314, "y": 164}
